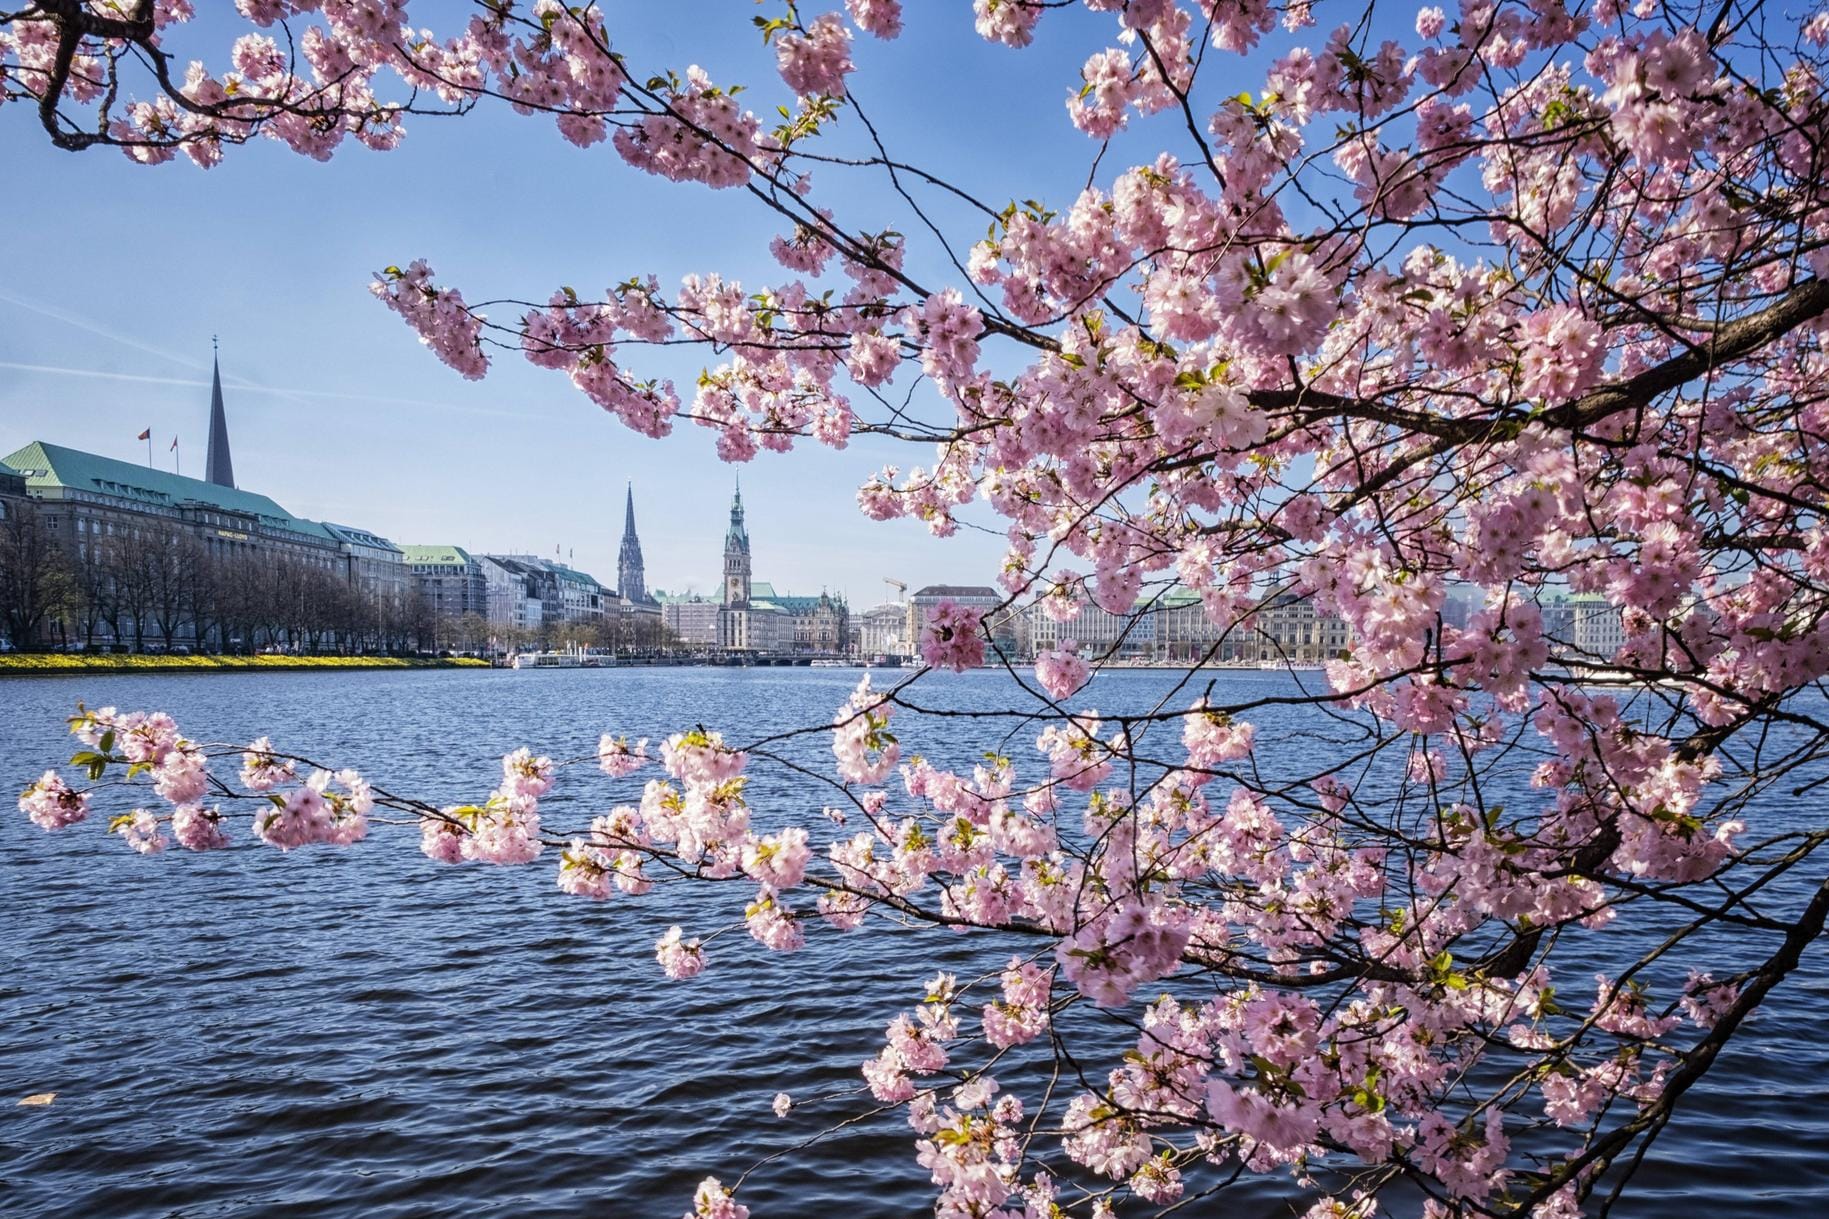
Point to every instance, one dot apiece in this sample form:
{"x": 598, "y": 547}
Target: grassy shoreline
{"x": 36, "y": 664}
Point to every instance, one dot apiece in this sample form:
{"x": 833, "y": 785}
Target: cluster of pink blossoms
{"x": 51, "y": 804}
{"x": 679, "y": 958}
{"x": 438, "y": 315}
{"x": 1062, "y": 670}
{"x": 953, "y": 637}
{"x": 866, "y": 750}
{"x": 504, "y": 829}
{"x": 326, "y": 808}
{"x": 817, "y": 62}
{"x": 616, "y": 757}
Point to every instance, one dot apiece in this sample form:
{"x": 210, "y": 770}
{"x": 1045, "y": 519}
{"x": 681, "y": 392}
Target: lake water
{"x": 364, "y": 1033}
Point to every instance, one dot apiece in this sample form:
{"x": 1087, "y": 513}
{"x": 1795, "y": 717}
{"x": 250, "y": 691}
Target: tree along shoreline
{"x": 38, "y": 664}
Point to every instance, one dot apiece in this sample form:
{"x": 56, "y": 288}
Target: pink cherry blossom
{"x": 953, "y": 637}
{"x": 1062, "y": 671}
{"x": 818, "y": 61}
{"x": 198, "y": 829}
{"x": 51, "y": 804}
{"x": 679, "y": 958}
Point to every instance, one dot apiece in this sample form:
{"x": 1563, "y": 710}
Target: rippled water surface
{"x": 363, "y": 1033}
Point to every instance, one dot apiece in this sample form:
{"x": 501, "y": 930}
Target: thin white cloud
{"x": 107, "y": 376}
{"x": 77, "y": 320}
{"x": 293, "y": 394}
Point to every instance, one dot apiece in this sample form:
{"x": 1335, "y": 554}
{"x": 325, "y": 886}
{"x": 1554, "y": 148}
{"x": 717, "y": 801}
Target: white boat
{"x": 546, "y": 660}
{"x": 831, "y": 664}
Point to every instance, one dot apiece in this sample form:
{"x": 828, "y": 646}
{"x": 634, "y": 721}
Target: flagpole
{"x": 149, "y": 448}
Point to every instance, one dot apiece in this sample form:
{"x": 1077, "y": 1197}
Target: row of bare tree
{"x": 474, "y": 633}
{"x": 160, "y": 586}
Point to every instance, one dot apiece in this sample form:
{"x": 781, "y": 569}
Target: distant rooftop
{"x": 52, "y": 467}
{"x": 359, "y": 537}
{"x": 435, "y": 556}
{"x": 529, "y": 563}
{"x": 959, "y": 590}
{"x": 805, "y": 605}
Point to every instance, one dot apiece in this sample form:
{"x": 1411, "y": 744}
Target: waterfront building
{"x": 1183, "y": 630}
{"x": 1586, "y": 626}
{"x": 566, "y": 595}
{"x": 1287, "y": 628}
{"x": 812, "y": 626}
{"x": 760, "y": 626}
{"x": 375, "y": 569}
{"x": 84, "y": 499}
{"x": 1290, "y": 628}
{"x": 881, "y": 631}
{"x": 1097, "y": 632}
{"x": 691, "y": 619}
{"x": 448, "y": 580}
{"x": 1595, "y": 628}
{"x": 632, "y": 624}
{"x": 513, "y": 599}
{"x": 749, "y": 615}
{"x": 152, "y": 555}
{"x": 1173, "y": 625}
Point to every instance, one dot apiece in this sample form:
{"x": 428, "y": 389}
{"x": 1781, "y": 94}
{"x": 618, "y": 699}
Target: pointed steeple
{"x": 217, "y": 467}
{"x": 737, "y": 536}
{"x": 628, "y": 563}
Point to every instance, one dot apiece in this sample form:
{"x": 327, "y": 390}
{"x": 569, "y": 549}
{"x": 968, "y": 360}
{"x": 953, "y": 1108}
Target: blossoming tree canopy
{"x": 1376, "y": 310}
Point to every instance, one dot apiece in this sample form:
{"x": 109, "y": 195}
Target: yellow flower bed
{"x": 26, "y": 663}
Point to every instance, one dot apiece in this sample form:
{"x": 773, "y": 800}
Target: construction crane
{"x": 900, "y": 588}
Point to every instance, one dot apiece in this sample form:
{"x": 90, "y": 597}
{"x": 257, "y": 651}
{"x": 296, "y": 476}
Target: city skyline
{"x": 677, "y": 566}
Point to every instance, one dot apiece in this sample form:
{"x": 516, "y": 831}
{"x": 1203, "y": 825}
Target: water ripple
{"x": 365, "y": 1035}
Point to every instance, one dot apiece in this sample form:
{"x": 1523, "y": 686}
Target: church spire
{"x": 217, "y": 467}
{"x": 629, "y": 571}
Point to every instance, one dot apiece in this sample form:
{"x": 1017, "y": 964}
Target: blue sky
{"x": 338, "y": 413}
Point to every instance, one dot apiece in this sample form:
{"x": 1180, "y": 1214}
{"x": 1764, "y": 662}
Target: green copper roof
{"x": 353, "y": 536}
{"x": 51, "y": 466}
{"x": 804, "y": 605}
{"x": 435, "y": 556}
{"x": 574, "y": 576}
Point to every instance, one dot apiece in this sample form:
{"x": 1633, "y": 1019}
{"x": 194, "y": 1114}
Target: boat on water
{"x": 831, "y": 664}
{"x": 553, "y": 660}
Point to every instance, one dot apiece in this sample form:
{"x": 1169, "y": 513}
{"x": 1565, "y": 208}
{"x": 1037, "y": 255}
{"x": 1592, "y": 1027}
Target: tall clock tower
{"x": 736, "y": 556}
